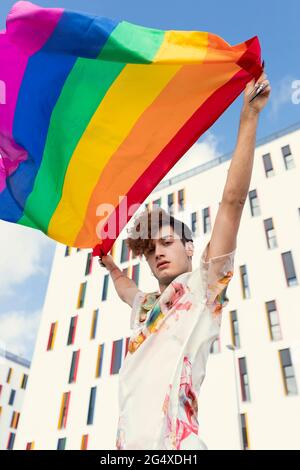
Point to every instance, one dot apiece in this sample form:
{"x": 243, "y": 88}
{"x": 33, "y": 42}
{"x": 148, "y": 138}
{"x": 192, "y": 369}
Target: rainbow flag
{"x": 94, "y": 112}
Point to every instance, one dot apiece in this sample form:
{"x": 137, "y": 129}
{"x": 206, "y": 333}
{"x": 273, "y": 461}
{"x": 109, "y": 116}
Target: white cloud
{"x": 18, "y": 331}
{"x": 21, "y": 255}
{"x": 199, "y": 153}
{"x": 281, "y": 94}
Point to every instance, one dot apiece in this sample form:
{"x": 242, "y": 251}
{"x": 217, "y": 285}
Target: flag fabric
{"x": 94, "y": 112}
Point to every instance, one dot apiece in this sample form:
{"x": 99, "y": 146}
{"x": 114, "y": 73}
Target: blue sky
{"x": 25, "y": 268}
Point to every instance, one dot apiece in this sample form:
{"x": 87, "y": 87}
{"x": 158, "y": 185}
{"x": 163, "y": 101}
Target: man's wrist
{"x": 113, "y": 268}
{"x": 249, "y": 115}
{"x": 115, "y": 275}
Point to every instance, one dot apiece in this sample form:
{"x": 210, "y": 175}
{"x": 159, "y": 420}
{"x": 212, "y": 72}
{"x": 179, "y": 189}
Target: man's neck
{"x": 162, "y": 287}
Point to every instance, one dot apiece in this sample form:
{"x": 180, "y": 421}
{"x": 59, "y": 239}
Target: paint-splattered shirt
{"x": 160, "y": 378}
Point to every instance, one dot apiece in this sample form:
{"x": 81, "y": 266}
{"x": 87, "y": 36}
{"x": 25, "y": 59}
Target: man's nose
{"x": 159, "y": 252}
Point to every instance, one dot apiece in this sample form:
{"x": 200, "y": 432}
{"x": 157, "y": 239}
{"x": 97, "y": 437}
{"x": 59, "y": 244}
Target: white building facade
{"x": 14, "y": 372}
{"x": 250, "y": 397}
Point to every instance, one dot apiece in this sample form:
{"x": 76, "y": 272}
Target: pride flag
{"x": 94, "y": 112}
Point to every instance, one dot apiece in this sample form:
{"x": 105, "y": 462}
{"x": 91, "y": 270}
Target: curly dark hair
{"x": 147, "y": 223}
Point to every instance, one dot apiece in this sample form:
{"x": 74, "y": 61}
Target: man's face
{"x": 168, "y": 247}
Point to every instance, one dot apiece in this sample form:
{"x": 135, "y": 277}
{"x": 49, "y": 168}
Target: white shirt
{"x": 160, "y": 378}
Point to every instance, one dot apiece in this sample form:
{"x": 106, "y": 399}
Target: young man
{"x": 174, "y": 327}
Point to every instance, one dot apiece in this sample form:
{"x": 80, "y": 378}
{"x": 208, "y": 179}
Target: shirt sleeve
{"x": 135, "y": 311}
{"x": 219, "y": 271}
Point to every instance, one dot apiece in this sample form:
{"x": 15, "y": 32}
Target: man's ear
{"x": 189, "y": 248}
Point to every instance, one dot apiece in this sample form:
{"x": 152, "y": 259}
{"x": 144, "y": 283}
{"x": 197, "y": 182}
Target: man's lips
{"x": 162, "y": 265}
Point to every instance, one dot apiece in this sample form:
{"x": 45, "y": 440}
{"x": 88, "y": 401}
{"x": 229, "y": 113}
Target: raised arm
{"x": 125, "y": 287}
{"x": 224, "y": 234}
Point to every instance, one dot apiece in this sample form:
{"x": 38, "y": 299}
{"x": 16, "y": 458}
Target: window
{"x": 89, "y": 263}
{"x": 72, "y": 330}
{"x": 15, "y": 420}
{"x": 181, "y": 199}
{"x": 235, "y": 329}
{"x": 61, "y": 443}
{"x": 81, "y": 295}
{"x": 244, "y": 379}
{"x": 245, "y": 283}
{"x": 84, "y": 442}
{"x": 288, "y": 373}
{"x": 105, "y": 287}
{"x": 99, "y": 360}
{"x": 136, "y": 273}
{"x": 68, "y": 251}
{"x": 116, "y": 358}
{"x": 11, "y": 440}
{"x": 157, "y": 203}
{"x": 289, "y": 268}
{"x": 74, "y": 366}
{"x": 254, "y": 203}
{"x": 12, "y": 397}
{"x": 52, "y": 336}
{"x": 269, "y": 171}
{"x": 206, "y": 220}
{"x": 9, "y": 375}
{"x": 244, "y": 431}
{"x": 24, "y": 381}
{"x": 273, "y": 321}
{"x": 287, "y": 157}
{"x": 171, "y": 203}
{"x": 194, "y": 223}
{"x": 124, "y": 252}
{"x": 64, "y": 408}
{"x": 30, "y": 445}
{"x": 270, "y": 233}
{"x": 94, "y": 324}
{"x": 90, "y": 418}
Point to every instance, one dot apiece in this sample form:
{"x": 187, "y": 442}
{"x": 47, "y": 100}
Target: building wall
{"x": 14, "y": 373}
